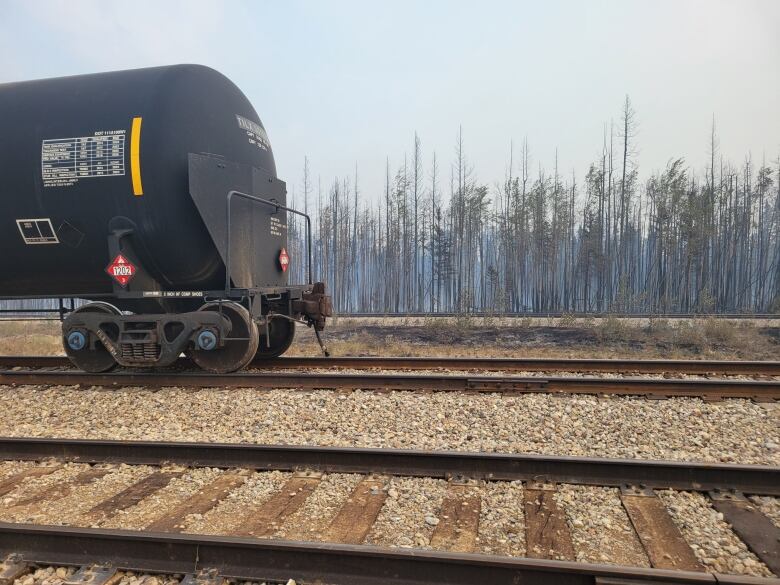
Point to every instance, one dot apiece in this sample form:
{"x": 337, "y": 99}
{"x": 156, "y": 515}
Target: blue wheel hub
{"x": 207, "y": 340}
{"x": 76, "y": 340}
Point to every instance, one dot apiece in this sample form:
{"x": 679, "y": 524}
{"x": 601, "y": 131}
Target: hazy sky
{"x": 350, "y": 82}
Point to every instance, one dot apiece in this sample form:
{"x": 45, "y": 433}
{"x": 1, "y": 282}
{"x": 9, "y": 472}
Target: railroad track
{"x": 705, "y": 367}
{"x": 107, "y": 484}
{"x": 760, "y": 391}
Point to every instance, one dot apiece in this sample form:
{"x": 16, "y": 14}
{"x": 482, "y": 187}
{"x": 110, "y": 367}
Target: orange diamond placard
{"x": 284, "y": 260}
{"x": 121, "y": 270}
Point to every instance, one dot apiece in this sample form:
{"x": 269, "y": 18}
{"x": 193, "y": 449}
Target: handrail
{"x": 278, "y": 206}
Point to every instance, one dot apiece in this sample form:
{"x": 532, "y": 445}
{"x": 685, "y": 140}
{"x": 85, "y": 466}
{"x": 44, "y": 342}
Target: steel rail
{"x": 768, "y": 368}
{"x": 750, "y": 479}
{"x": 248, "y": 559}
{"x": 539, "y": 364}
{"x": 750, "y": 389}
{"x": 771, "y": 368}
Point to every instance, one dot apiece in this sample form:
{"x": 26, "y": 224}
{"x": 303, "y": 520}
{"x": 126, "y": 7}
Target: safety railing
{"x": 277, "y": 206}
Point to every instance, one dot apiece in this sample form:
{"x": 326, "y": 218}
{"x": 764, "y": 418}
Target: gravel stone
{"x": 32, "y": 485}
{"x": 57, "y": 575}
{"x": 320, "y": 507}
{"x": 131, "y": 578}
{"x": 46, "y": 576}
{"x": 600, "y": 528}
{"x": 732, "y": 431}
{"x": 69, "y": 510}
{"x": 9, "y": 468}
{"x": 409, "y": 519}
{"x": 712, "y": 540}
{"x": 228, "y": 514}
{"x": 769, "y": 506}
{"x": 502, "y": 521}
{"x": 155, "y": 505}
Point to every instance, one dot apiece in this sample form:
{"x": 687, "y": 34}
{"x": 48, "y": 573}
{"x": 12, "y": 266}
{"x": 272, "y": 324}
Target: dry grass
{"x": 708, "y": 338}
{"x": 30, "y": 338}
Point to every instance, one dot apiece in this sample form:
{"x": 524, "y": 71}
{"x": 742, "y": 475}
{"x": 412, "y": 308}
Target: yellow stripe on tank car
{"x": 135, "y": 156}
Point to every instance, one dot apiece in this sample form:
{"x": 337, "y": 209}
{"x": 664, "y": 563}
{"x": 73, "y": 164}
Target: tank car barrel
{"x": 146, "y": 224}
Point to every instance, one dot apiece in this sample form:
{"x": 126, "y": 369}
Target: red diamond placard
{"x": 121, "y": 270}
{"x": 284, "y": 260}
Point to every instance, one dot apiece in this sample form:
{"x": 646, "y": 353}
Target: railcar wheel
{"x": 281, "y": 333}
{"x": 94, "y": 359}
{"x": 238, "y": 350}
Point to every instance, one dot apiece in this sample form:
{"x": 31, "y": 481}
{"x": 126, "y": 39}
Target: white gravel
{"x": 502, "y": 521}
{"x": 769, "y": 506}
{"x": 31, "y": 485}
{"x": 600, "y": 528}
{"x": 402, "y": 520}
{"x": 712, "y": 540}
{"x": 71, "y": 508}
{"x": 131, "y": 578}
{"x": 734, "y": 431}
{"x": 9, "y": 468}
{"x": 58, "y": 575}
{"x": 230, "y": 512}
{"x": 46, "y": 576}
{"x": 320, "y": 507}
{"x": 156, "y": 504}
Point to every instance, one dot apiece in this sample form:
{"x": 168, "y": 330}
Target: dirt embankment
{"x": 607, "y": 338}
{"x": 709, "y": 338}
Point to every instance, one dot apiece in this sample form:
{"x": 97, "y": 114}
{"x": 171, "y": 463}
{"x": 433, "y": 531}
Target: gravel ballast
{"x": 769, "y": 506}
{"x": 731, "y": 431}
{"x": 69, "y": 509}
{"x": 710, "y": 537}
{"x": 155, "y": 505}
{"x": 601, "y": 531}
{"x": 502, "y": 520}
{"x": 310, "y": 521}
{"x": 59, "y": 575}
{"x": 230, "y": 512}
{"x": 9, "y": 468}
{"x": 685, "y": 429}
{"x": 410, "y": 513}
